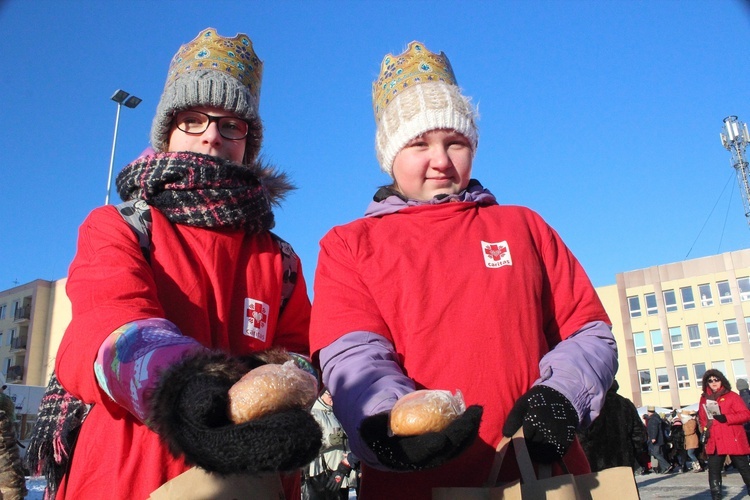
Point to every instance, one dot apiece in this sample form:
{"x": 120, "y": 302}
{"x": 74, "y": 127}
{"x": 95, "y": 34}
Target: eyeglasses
{"x": 713, "y": 379}
{"x": 195, "y": 123}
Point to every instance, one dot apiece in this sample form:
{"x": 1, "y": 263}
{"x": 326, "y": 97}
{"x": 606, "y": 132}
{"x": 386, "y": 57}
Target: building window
{"x": 712, "y": 333}
{"x": 645, "y": 378}
{"x": 3, "y": 311}
{"x": 719, "y": 365}
{"x": 635, "y": 306}
{"x": 670, "y": 301}
{"x": 683, "y": 378}
{"x": 657, "y": 344}
{"x": 662, "y": 379}
{"x": 675, "y": 337}
{"x": 688, "y": 302}
{"x": 705, "y": 294}
{"x": 744, "y": 285}
{"x": 694, "y": 335}
{"x": 14, "y": 307}
{"x": 651, "y": 307}
{"x": 733, "y": 333}
{"x": 725, "y": 293}
{"x": 698, "y": 370}
{"x": 639, "y": 341}
{"x": 738, "y": 368}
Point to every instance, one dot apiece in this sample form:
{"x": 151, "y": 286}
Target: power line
{"x": 709, "y": 215}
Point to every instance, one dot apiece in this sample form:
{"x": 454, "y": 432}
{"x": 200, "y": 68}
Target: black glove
{"x": 334, "y": 482}
{"x": 424, "y": 451}
{"x": 721, "y": 418}
{"x": 549, "y": 423}
{"x": 189, "y": 411}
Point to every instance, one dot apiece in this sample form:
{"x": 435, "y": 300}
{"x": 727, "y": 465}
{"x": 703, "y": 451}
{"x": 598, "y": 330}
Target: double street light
{"x": 129, "y": 101}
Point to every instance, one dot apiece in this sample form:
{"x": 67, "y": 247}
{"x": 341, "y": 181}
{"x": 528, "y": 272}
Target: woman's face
{"x": 714, "y": 383}
{"x": 209, "y": 142}
{"x": 437, "y": 162}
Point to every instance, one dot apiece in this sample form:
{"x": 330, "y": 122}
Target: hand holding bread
{"x": 425, "y": 411}
{"x": 269, "y": 389}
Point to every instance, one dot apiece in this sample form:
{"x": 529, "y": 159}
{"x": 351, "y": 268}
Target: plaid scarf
{"x": 200, "y": 190}
{"x": 54, "y": 436}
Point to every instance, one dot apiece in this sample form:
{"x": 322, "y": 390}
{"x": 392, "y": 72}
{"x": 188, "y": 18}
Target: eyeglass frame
{"x": 211, "y": 119}
{"x": 713, "y": 379}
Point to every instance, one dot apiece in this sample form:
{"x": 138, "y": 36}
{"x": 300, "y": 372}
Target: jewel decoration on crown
{"x": 414, "y": 66}
{"x": 209, "y": 50}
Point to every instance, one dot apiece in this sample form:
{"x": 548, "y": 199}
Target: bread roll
{"x": 271, "y": 388}
{"x": 425, "y": 411}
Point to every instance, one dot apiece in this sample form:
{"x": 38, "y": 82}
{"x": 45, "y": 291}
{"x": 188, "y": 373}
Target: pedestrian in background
{"x": 12, "y": 476}
{"x": 722, "y": 414}
{"x": 692, "y": 439}
{"x": 744, "y": 391}
{"x": 615, "y": 438}
{"x": 656, "y": 439}
{"x": 678, "y": 454}
{"x": 333, "y": 473}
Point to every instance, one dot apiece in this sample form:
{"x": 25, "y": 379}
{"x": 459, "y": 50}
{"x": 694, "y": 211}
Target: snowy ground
{"x": 36, "y": 488}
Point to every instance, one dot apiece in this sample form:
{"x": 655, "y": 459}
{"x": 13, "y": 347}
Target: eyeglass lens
{"x": 712, "y": 379}
{"x": 195, "y": 122}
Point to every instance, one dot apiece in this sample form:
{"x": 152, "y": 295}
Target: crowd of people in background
{"x": 713, "y": 438}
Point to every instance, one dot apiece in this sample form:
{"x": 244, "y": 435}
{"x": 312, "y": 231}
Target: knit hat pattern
{"x": 417, "y": 92}
{"x": 212, "y": 71}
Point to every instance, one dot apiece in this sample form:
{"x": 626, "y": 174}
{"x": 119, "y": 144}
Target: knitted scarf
{"x": 54, "y": 435}
{"x": 204, "y": 191}
{"x": 709, "y": 394}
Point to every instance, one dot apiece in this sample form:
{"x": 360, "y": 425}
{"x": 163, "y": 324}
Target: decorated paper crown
{"x": 211, "y": 51}
{"x": 216, "y": 72}
{"x": 414, "y": 66}
{"x": 417, "y": 92}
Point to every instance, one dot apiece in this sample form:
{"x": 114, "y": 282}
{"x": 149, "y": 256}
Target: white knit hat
{"x": 417, "y": 92}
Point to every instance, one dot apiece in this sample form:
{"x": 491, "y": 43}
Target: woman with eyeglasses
{"x": 157, "y": 340}
{"x": 722, "y": 414}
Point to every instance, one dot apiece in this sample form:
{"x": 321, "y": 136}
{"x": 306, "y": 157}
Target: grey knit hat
{"x": 212, "y": 71}
{"x": 417, "y": 92}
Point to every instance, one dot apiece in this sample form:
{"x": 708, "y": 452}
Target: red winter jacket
{"x": 727, "y": 438}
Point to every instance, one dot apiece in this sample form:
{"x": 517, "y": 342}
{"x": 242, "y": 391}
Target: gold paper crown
{"x": 414, "y": 66}
{"x": 209, "y": 50}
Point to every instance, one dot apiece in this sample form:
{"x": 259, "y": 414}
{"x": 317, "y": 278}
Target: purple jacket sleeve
{"x": 363, "y": 374}
{"x": 582, "y": 368}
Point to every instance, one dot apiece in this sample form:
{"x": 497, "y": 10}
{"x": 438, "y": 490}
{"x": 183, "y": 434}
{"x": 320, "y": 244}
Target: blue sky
{"x": 603, "y": 116}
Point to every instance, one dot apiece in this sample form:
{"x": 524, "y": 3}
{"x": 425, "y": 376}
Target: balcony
{"x": 18, "y": 343}
{"x": 22, "y": 314}
{"x": 15, "y": 374}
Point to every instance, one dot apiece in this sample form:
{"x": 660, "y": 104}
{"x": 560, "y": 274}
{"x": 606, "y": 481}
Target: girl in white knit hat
{"x": 441, "y": 288}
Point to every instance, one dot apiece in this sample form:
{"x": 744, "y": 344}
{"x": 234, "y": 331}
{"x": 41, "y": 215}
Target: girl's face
{"x": 209, "y": 142}
{"x": 437, "y": 162}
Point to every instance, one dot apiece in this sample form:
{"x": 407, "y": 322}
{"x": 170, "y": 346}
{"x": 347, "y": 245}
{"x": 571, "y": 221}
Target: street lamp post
{"x": 130, "y": 101}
